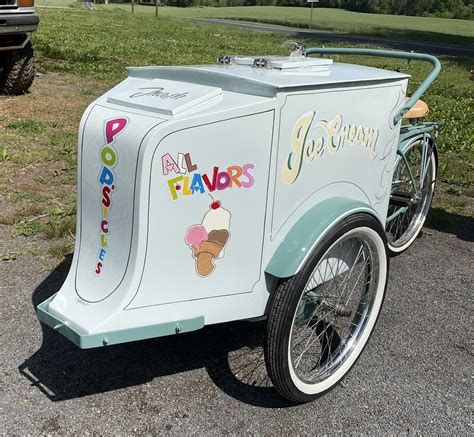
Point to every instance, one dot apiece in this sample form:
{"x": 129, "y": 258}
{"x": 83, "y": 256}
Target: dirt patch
{"x": 56, "y": 98}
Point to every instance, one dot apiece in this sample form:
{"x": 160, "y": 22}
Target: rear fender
{"x": 302, "y": 238}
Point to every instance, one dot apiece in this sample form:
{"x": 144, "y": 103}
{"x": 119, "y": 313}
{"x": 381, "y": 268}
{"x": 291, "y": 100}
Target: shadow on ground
{"x": 231, "y": 353}
{"x": 449, "y": 223}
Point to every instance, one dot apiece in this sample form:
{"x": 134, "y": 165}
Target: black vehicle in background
{"x": 17, "y": 64}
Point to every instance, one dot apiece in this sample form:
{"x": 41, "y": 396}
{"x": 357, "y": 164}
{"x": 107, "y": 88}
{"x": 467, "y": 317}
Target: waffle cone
{"x": 208, "y": 250}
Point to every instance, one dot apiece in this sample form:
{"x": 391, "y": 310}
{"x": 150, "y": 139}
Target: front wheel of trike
{"x": 321, "y": 318}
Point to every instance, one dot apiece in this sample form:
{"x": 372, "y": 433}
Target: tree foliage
{"x": 444, "y": 8}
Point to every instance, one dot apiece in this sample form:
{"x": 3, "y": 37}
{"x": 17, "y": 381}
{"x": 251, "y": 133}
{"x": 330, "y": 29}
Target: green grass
{"x": 425, "y": 28}
{"x": 60, "y": 227}
{"x": 26, "y": 212}
{"x": 27, "y": 229}
{"x": 59, "y": 250}
{"x": 402, "y": 27}
{"x": 25, "y": 127}
{"x": 103, "y": 43}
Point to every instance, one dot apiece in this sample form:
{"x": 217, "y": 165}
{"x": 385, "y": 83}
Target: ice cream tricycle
{"x": 272, "y": 187}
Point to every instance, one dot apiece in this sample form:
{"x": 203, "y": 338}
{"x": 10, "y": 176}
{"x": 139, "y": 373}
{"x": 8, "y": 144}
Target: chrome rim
{"x": 334, "y": 308}
{"x": 408, "y": 219}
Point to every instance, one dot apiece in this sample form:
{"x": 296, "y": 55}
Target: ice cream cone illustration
{"x": 207, "y": 240}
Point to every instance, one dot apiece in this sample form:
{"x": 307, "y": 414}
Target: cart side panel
{"x": 341, "y": 137}
{"x": 110, "y": 145}
{"x": 206, "y": 218}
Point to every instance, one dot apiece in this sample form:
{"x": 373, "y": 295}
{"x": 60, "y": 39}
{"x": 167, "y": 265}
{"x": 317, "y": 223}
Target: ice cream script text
{"x": 331, "y": 135}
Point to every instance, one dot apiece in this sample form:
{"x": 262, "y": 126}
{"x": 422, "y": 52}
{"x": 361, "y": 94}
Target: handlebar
{"x": 390, "y": 54}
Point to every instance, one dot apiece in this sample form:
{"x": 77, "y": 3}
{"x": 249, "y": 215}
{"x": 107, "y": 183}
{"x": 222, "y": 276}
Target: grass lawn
{"x": 81, "y": 54}
{"x": 402, "y": 27}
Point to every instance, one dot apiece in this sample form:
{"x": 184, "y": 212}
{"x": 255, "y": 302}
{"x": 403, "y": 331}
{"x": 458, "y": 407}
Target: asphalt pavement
{"x": 456, "y": 50}
{"x": 415, "y": 376}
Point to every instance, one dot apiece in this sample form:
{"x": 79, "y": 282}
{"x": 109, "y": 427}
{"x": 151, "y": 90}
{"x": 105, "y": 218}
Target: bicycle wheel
{"x": 321, "y": 318}
{"x": 411, "y": 195}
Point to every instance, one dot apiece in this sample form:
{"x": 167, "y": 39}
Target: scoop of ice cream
{"x": 216, "y": 218}
{"x": 220, "y": 236}
{"x": 195, "y": 235}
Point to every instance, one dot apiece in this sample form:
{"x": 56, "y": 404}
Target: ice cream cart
{"x": 259, "y": 186}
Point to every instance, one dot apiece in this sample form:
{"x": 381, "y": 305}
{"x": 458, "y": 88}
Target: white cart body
{"x": 281, "y": 154}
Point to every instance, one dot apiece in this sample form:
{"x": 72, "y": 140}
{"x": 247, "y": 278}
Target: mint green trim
{"x": 408, "y": 166}
{"x": 396, "y": 213}
{"x": 410, "y": 131}
{"x": 307, "y": 231}
{"x": 87, "y": 341}
{"x": 391, "y": 54}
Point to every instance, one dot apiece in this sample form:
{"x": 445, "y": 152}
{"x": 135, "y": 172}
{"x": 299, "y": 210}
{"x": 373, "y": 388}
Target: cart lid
{"x": 281, "y": 75}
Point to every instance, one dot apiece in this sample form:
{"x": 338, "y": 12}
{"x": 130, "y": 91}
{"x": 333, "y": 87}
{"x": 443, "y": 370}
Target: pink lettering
{"x": 114, "y": 127}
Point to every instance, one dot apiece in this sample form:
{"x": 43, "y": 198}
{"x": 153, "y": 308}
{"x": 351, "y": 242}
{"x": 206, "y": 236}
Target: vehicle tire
{"x": 321, "y": 318}
{"x": 18, "y": 70}
{"x": 404, "y": 228}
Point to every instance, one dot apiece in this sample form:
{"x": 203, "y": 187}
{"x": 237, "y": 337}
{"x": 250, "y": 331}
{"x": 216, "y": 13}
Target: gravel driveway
{"x": 415, "y": 375}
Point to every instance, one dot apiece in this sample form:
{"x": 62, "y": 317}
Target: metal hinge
{"x": 225, "y": 60}
{"x": 260, "y": 63}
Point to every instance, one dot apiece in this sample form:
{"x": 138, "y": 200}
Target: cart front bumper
{"x": 87, "y": 341}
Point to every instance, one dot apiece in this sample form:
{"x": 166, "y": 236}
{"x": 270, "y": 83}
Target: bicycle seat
{"x": 419, "y": 109}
